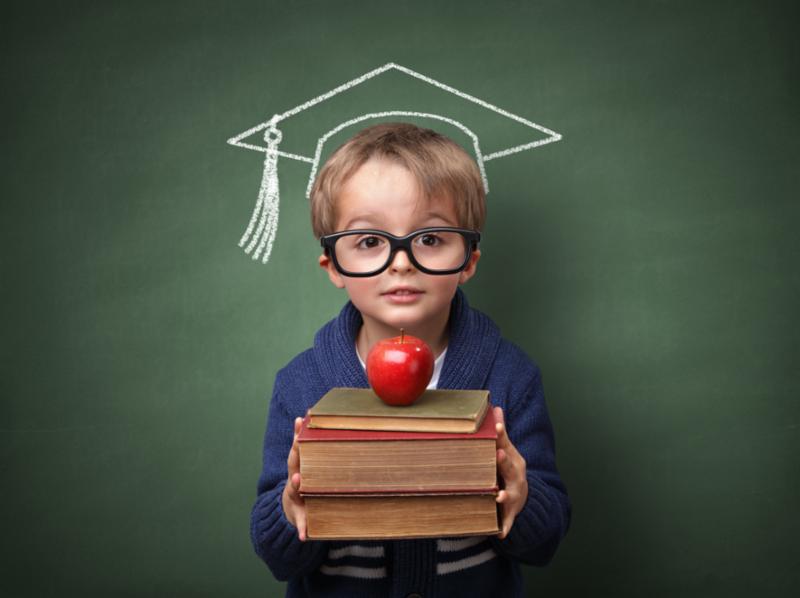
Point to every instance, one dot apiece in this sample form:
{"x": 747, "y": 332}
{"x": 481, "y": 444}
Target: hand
{"x": 294, "y": 507}
{"x": 511, "y": 466}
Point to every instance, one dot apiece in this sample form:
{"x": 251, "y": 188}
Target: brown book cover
{"x": 437, "y": 410}
{"x": 401, "y": 516}
{"x": 360, "y": 461}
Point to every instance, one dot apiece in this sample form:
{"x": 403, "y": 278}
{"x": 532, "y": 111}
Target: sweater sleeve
{"x": 274, "y": 537}
{"x": 545, "y": 518}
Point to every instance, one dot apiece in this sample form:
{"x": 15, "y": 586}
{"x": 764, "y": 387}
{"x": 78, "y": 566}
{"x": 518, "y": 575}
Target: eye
{"x": 369, "y": 242}
{"x": 430, "y": 240}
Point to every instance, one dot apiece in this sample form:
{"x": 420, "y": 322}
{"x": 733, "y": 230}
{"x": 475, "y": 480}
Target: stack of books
{"x": 373, "y": 471}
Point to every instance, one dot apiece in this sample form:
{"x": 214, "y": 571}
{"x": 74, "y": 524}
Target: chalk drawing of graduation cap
{"x": 371, "y": 97}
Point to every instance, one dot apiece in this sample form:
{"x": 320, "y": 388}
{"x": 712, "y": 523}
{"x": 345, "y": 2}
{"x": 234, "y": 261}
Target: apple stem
{"x": 402, "y": 334}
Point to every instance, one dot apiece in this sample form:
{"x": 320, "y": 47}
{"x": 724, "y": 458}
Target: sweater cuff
{"x": 275, "y": 538}
{"x": 535, "y": 526}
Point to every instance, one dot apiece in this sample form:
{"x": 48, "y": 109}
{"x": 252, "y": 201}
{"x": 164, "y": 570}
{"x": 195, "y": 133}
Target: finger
{"x": 502, "y": 456}
{"x": 301, "y": 527}
{"x": 508, "y": 497}
{"x": 293, "y": 460}
{"x": 507, "y": 465}
{"x": 507, "y": 514}
{"x": 296, "y": 481}
{"x": 502, "y": 464}
{"x": 502, "y": 496}
{"x": 504, "y": 444}
{"x": 499, "y": 416}
{"x": 291, "y": 491}
{"x": 502, "y": 435}
{"x": 505, "y": 522}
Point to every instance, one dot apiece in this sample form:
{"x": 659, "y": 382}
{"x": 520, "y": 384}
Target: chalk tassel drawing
{"x": 266, "y": 210}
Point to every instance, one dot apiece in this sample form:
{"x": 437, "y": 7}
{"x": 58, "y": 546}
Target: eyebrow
{"x": 370, "y": 222}
{"x": 366, "y": 219}
{"x": 437, "y": 216}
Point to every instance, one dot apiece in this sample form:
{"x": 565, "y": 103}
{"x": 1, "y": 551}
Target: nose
{"x": 400, "y": 262}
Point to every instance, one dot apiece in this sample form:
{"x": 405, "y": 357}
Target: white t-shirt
{"x": 437, "y": 367}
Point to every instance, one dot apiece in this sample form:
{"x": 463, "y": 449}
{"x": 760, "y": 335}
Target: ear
{"x": 326, "y": 263}
{"x": 472, "y": 265}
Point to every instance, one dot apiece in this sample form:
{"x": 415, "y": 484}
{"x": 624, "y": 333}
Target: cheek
{"x": 359, "y": 288}
{"x": 444, "y": 285}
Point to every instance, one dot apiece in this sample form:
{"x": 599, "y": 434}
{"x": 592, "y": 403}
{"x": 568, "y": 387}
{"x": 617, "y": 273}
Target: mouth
{"x": 402, "y": 296}
{"x": 402, "y": 292}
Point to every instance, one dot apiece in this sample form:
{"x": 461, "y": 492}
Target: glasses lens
{"x": 361, "y": 253}
{"x": 439, "y": 250}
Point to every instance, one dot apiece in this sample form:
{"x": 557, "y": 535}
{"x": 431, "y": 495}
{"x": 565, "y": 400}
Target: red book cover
{"x": 399, "y": 493}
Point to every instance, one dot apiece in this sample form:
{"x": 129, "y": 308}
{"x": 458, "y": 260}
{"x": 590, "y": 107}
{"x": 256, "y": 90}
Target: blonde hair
{"x": 440, "y": 166}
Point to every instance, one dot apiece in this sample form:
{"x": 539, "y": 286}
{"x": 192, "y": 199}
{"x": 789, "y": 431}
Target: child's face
{"x": 385, "y": 196}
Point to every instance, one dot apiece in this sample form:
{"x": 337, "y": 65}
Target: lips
{"x": 402, "y": 296}
{"x": 402, "y": 291}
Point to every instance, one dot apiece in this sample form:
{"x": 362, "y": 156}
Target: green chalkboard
{"x": 647, "y": 261}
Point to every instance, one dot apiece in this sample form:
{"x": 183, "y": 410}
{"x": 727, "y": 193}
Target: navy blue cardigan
{"x": 477, "y": 357}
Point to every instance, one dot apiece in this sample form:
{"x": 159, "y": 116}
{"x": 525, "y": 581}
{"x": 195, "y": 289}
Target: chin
{"x": 396, "y": 318}
{"x": 400, "y": 322}
{"x": 410, "y": 321}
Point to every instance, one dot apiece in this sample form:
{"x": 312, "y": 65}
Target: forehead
{"x": 381, "y": 192}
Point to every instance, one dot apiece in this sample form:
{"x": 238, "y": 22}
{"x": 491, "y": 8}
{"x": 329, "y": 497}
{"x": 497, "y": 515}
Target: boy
{"x": 397, "y": 209}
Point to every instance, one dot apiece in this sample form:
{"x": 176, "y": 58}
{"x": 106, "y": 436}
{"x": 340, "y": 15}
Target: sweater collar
{"x": 474, "y": 341}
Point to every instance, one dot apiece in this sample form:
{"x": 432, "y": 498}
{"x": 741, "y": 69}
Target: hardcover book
{"x": 401, "y": 516}
{"x": 437, "y": 410}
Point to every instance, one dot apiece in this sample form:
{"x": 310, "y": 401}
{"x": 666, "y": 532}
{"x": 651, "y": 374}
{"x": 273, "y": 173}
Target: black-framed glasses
{"x": 433, "y": 250}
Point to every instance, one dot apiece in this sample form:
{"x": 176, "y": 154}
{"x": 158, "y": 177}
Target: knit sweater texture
{"x": 477, "y": 358}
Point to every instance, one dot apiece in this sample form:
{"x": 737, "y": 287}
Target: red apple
{"x": 399, "y": 369}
